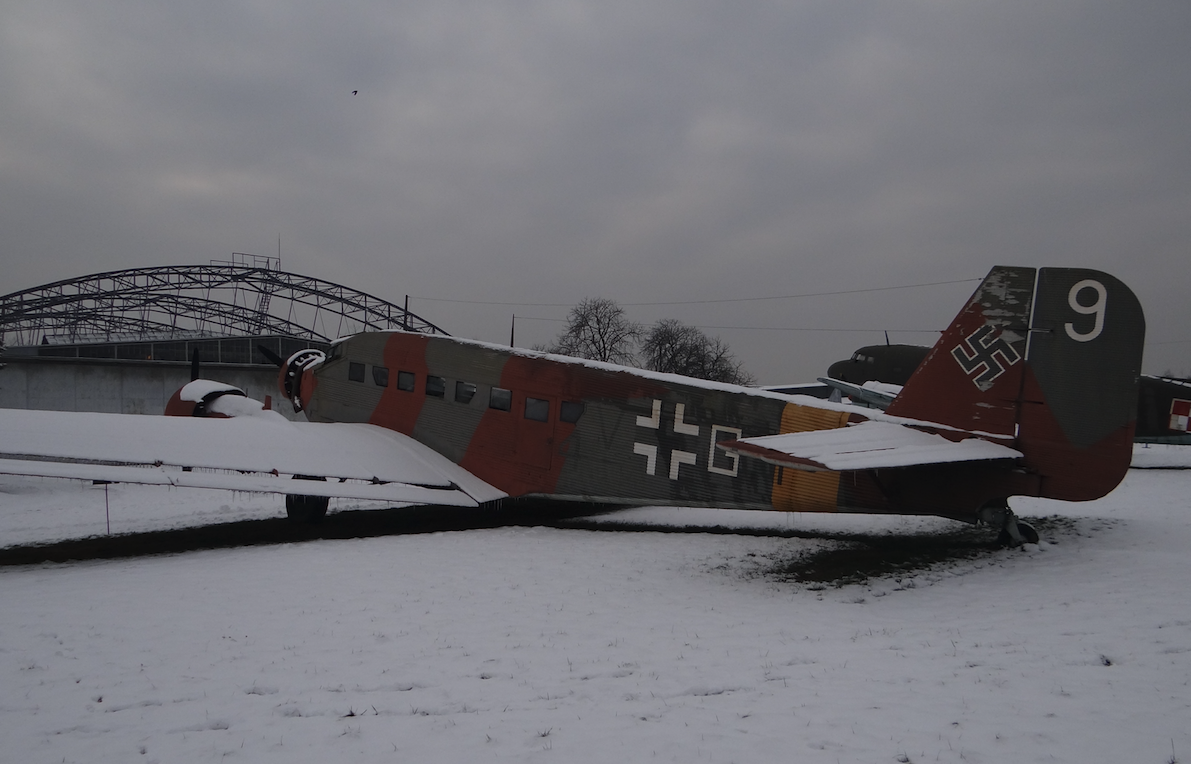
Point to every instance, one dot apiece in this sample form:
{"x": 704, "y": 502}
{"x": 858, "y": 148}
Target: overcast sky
{"x": 650, "y": 151}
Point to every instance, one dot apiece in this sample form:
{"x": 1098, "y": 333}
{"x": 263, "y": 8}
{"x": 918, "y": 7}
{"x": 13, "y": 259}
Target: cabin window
{"x": 570, "y": 411}
{"x": 436, "y": 386}
{"x": 537, "y": 409}
{"x": 500, "y": 399}
{"x": 464, "y": 392}
{"x": 380, "y": 375}
{"x": 355, "y": 371}
{"x": 405, "y": 381}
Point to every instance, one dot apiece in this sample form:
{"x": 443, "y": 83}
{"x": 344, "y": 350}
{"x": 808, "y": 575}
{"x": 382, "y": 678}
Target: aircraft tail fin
{"x": 1047, "y": 358}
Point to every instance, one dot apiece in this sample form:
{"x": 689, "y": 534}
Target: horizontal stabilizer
{"x": 247, "y": 453}
{"x": 864, "y": 446}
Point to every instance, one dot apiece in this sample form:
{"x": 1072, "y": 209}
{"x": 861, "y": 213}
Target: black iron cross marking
{"x": 980, "y": 350}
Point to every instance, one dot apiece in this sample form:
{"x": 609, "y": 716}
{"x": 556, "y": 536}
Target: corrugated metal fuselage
{"x": 543, "y": 426}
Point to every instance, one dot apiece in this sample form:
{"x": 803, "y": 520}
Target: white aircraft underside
{"x": 247, "y": 453}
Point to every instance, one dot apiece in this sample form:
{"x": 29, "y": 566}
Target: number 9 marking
{"x": 1096, "y": 308}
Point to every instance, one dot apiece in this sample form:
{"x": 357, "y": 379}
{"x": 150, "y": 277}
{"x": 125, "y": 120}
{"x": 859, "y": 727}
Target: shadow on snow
{"x": 853, "y": 557}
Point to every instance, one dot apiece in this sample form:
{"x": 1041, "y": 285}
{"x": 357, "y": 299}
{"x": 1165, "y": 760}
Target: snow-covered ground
{"x": 555, "y": 644}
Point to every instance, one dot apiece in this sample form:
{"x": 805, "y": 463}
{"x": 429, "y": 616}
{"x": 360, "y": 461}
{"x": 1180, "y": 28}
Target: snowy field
{"x": 560, "y": 644}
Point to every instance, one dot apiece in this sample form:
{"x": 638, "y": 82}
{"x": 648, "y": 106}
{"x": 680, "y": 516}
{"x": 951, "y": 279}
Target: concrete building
{"x": 123, "y": 341}
{"x": 120, "y": 386}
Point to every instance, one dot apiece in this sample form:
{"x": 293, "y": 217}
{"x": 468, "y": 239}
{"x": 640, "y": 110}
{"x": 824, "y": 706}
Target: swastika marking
{"x": 985, "y": 355}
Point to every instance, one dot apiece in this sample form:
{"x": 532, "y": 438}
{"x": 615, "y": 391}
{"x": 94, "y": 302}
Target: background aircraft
{"x": 1030, "y": 391}
{"x": 1163, "y": 403}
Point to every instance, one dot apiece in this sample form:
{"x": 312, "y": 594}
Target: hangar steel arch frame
{"x": 223, "y": 299}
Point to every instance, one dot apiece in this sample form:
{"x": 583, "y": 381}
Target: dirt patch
{"x": 849, "y": 558}
{"x": 857, "y": 557}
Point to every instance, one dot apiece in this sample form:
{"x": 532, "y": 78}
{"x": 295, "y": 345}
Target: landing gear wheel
{"x": 306, "y": 510}
{"x": 1014, "y": 532}
{"x": 1024, "y": 530}
{"x": 303, "y": 509}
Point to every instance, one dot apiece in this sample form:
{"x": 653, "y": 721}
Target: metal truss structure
{"x": 248, "y": 295}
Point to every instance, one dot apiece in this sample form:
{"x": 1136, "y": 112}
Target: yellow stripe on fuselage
{"x": 799, "y": 490}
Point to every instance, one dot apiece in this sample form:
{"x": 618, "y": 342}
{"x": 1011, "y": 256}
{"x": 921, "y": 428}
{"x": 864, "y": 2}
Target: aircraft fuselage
{"x": 536, "y": 425}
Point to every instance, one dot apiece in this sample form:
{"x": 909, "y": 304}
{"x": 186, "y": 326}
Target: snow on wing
{"x": 259, "y": 452}
{"x": 868, "y": 445}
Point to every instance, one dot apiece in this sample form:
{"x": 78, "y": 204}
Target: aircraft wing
{"x": 867, "y": 445}
{"x": 247, "y": 453}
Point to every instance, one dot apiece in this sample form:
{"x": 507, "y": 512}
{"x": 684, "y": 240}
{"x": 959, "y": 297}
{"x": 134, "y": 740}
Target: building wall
{"x": 126, "y": 387}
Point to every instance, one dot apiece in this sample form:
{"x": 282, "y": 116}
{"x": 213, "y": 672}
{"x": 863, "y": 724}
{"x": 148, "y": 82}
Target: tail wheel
{"x": 1027, "y": 532}
{"x": 1014, "y": 532}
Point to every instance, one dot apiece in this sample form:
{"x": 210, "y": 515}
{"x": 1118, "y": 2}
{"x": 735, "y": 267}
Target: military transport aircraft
{"x": 1031, "y": 391}
{"x": 875, "y": 374}
{"x": 891, "y": 364}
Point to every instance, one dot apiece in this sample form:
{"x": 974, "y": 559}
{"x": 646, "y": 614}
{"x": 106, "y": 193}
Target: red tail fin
{"x": 972, "y": 377}
{"x": 1049, "y": 358}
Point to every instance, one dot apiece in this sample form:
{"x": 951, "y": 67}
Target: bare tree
{"x": 672, "y": 346}
{"x": 677, "y": 348}
{"x": 597, "y": 329}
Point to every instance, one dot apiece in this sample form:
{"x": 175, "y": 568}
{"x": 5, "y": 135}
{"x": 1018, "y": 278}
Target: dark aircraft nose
{"x": 840, "y": 370}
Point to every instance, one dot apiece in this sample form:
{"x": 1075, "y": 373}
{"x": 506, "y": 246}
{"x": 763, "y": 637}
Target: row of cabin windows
{"x": 499, "y": 398}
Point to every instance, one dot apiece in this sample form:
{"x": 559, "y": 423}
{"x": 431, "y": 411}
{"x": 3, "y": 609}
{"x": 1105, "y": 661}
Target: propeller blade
{"x": 273, "y": 357}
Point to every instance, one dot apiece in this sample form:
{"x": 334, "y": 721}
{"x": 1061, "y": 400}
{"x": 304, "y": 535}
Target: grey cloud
{"x": 543, "y": 152}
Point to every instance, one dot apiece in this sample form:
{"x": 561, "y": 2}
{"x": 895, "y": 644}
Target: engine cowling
{"x": 208, "y": 398}
{"x": 292, "y": 373}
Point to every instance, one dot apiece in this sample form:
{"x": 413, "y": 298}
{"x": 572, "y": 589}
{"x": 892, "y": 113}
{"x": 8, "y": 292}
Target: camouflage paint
{"x": 798, "y": 490}
{"x": 972, "y": 377}
{"x": 650, "y": 439}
